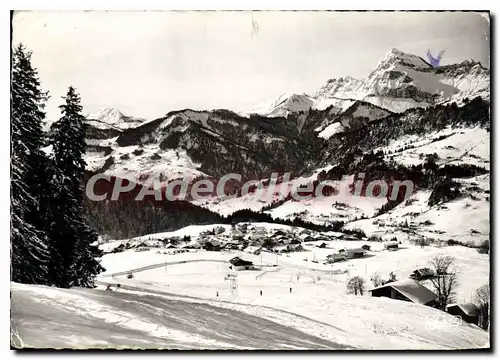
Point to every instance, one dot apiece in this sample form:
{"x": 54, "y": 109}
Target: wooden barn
{"x": 333, "y": 258}
{"x": 240, "y": 264}
{"x": 406, "y": 290}
{"x": 354, "y": 253}
{"x": 422, "y": 274}
{"x": 391, "y": 245}
{"x": 468, "y": 312}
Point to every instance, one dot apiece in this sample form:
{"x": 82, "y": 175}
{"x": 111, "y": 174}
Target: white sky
{"x": 149, "y": 63}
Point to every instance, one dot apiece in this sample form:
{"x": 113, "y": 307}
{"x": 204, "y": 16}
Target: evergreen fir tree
{"x": 29, "y": 255}
{"x": 73, "y": 260}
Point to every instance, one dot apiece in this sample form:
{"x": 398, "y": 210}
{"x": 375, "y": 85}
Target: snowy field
{"x": 473, "y": 267}
{"x": 317, "y": 303}
{"x": 456, "y": 146}
{"x": 186, "y": 301}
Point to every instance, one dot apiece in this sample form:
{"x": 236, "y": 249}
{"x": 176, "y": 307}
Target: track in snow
{"x": 46, "y": 322}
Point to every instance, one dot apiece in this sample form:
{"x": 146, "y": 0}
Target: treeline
{"x": 126, "y": 218}
{"x": 252, "y": 216}
{"x": 50, "y": 238}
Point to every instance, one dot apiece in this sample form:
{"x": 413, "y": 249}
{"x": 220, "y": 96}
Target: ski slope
{"x": 44, "y": 317}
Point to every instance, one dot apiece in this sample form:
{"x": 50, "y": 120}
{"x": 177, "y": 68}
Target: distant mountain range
{"x": 403, "y": 100}
{"x": 278, "y": 135}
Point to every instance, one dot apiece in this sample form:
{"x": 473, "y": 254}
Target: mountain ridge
{"x": 402, "y": 98}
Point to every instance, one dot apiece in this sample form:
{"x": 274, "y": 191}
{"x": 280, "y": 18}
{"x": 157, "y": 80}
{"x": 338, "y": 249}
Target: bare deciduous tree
{"x": 482, "y": 301}
{"x": 356, "y": 285}
{"x": 445, "y": 279}
{"x": 377, "y": 280}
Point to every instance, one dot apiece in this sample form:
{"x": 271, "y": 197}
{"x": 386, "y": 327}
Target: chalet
{"x": 320, "y": 237}
{"x": 257, "y": 237}
{"x": 240, "y": 264}
{"x": 468, "y": 312}
{"x": 422, "y": 274}
{"x": 192, "y": 245}
{"x": 119, "y": 248}
{"x": 256, "y": 242}
{"x": 212, "y": 245}
{"x": 281, "y": 249}
{"x": 177, "y": 240}
{"x": 279, "y": 233}
{"x": 291, "y": 248}
{"x": 354, "y": 253}
{"x": 253, "y": 250}
{"x": 237, "y": 235}
{"x": 388, "y": 245}
{"x": 305, "y": 237}
{"x": 260, "y": 230}
{"x": 333, "y": 258}
{"x": 406, "y": 290}
{"x": 219, "y": 230}
{"x": 142, "y": 249}
{"x": 336, "y": 235}
{"x": 241, "y": 227}
{"x": 232, "y": 245}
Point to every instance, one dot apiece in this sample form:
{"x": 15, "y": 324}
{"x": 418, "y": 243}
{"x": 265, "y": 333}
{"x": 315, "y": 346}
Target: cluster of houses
{"x": 354, "y": 253}
{"x": 244, "y": 236}
{"x": 239, "y": 237}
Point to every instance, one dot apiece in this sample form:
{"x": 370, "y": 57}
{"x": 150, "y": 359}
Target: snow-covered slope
{"x": 212, "y": 143}
{"x": 284, "y": 105}
{"x": 44, "y": 317}
{"x": 355, "y": 116}
{"x": 464, "y": 219}
{"x": 140, "y": 162}
{"x": 459, "y": 146}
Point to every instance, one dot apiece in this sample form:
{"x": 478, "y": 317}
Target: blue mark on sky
{"x": 434, "y": 61}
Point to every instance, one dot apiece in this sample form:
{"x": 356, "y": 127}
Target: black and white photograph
{"x": 250, "y": 180}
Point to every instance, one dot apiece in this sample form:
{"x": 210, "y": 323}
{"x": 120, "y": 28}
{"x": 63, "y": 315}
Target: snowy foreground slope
{"x": 44, "y": 317}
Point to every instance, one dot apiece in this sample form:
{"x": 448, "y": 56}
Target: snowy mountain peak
{"x": 339, "y": 87}
{"x": 107, "y": 115}
{"x": 113, "y": 117}
{"x": 395, "y": 56}
{"x": 283, "y": 105}
{"x": 399, "y": 81}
